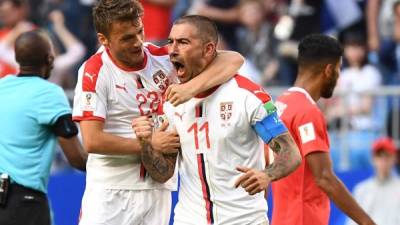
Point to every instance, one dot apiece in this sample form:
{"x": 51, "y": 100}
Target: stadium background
{"x": 266, "y": 32}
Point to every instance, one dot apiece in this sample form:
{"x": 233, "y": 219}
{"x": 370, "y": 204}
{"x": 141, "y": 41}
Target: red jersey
{"x": 297, "y": 198}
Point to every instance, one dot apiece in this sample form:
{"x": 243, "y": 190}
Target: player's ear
{"x": 329, "y": 70}
{"x": 210, "y": 49}
{"x": 102, "y": 39}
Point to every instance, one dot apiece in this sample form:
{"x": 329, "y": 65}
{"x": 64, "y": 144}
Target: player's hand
{"x": 165, "y": 142}
{"x": 143, "y": 127}
{"x": 253, "y": 181}
{"x": 177, "y": 94}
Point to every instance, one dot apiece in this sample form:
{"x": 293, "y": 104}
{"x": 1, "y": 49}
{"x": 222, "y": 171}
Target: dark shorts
{"x": 25, "y": 207}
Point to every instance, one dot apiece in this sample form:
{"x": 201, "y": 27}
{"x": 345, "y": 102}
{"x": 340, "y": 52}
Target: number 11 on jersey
{"x": 196, "y": 130}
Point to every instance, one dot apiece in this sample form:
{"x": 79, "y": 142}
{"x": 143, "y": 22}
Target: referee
{"x": 34, "y": 115}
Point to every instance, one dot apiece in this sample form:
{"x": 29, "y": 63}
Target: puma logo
{"x": 178, "y": 115}
{"x": 91, "y": 77}
{"x": 123, "y": 87}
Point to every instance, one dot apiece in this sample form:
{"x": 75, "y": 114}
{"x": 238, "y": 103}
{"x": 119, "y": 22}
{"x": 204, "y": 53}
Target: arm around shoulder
{"x": 221, "y": 69}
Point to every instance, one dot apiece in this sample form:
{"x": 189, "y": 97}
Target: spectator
{"x": 303, "y": 19}
{"x": 257, "y": 41}
{"x": 224, "y": 13}
{"x": 396, "y": 36}
{"x": 74, "y": 51}
{"x": 13, "y": 16}
{"x": 379, "y": 195}
{"x": 380, "y": 36}
{"x": 359, "y": 77}
{"x": 157, "y": 19}
{"x": 37, "y": 114}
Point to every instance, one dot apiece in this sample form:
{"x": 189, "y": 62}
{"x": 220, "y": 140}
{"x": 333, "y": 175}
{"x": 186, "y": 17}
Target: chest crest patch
{"x": 161, "y": 80}
{"x": 226, "y": 110}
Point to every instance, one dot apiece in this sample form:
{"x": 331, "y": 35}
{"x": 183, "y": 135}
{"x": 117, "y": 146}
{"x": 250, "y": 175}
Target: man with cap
{"x": 379, "y": 195}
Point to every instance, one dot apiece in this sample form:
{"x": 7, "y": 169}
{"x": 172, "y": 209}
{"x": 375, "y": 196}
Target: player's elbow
{"x": 90, "y": 145}
{"x": 325, "y": 180}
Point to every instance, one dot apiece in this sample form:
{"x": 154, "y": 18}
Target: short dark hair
{"x": 318, "y": 49}
{"x": 108, "y": 11}
{"x": 207, "y": 28}
{"x": 32, "y": 49}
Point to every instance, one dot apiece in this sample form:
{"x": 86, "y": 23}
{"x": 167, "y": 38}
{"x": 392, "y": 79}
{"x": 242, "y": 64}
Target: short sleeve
{"x": 90, "y": 100}
{"x": 52, "y": 104}
{"x": 311, "y": 132}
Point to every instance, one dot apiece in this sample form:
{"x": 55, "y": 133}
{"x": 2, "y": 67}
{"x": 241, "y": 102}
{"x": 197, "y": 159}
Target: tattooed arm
{"x": 287, "y": 159}
{"x": 160, "y": 167}
{"x": 159, "y": 148}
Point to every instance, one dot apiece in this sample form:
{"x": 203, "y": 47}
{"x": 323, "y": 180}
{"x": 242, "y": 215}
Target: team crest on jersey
{"x": 161, "y": 80}
{"x": 226, "y": 110}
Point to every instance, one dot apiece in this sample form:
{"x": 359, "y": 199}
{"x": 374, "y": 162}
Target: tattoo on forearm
{"x": 160, "y": 167}
{"x": 286, "y": 157}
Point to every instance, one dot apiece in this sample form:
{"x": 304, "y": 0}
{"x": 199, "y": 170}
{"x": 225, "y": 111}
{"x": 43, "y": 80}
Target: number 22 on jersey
{"x": 144, "y": 108}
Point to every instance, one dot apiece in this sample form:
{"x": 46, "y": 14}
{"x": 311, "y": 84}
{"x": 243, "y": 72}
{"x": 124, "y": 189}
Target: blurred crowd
{"x": 265, "y": 32}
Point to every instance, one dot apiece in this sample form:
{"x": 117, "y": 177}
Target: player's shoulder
{"x": 297, "y": 106}
{"x": 93, "y": 64}
{"x": 250, "y": 88}
{"x": 90, "y": 71}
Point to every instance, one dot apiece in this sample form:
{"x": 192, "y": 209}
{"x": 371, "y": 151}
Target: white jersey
{"x": 116, "y": 96}
{"x": 216, "y": 134}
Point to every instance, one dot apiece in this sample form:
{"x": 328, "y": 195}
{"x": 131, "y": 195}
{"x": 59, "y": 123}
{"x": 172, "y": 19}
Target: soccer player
{"x": 124, "y": 80}
{"x": 302, "y": 198}
{"x": 222, "y": 133}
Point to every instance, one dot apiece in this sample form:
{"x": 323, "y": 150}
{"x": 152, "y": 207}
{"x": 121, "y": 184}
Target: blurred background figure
{"x": 357, "y": 78}
{"x": 69, "y": 51}
{"x": 224, "y": 13}
{"x": 157, "y": 19}
{"x": 380, "y": 19}
{"x": 379, "y": 195}
{"x": 14, "y": 20}
{"x": 257, "y": 42}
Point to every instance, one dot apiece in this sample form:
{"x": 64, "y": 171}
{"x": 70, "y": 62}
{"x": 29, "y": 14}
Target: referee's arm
{"x": 66, "y": 131}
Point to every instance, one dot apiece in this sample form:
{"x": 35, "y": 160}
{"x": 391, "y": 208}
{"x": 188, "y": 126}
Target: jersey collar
{"x": 301, "y": 90}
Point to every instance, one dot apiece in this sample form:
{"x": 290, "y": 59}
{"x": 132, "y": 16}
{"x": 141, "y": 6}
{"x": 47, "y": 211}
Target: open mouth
{"x": 180, "y": 68}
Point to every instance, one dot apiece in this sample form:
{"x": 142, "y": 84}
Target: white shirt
{"x": 356, "y": 81}
{"x": 111, "y": 94}
{"x": 380, "y": 200}
{"x": 216, "y": 134}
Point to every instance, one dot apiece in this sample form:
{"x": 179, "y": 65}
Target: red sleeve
{"x": 311, "y": 132}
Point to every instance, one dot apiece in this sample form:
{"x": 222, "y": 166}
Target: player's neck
{"x": 311, "y": 86}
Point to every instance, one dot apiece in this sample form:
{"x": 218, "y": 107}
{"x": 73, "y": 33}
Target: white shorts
{"x": 125, "y": 207}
